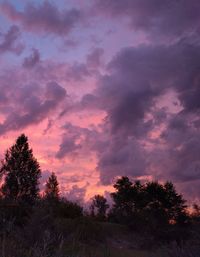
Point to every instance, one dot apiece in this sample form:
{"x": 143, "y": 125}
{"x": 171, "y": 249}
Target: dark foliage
{"x": 195, "y": 216}
{"x": 68, "y": 209}
{"x": 22, "y": 173}
{"x": 36, "y": 226}
{"x": 52, "y": 188}
{"x": 99, "y": 207}
{"x": 149, "y": 208}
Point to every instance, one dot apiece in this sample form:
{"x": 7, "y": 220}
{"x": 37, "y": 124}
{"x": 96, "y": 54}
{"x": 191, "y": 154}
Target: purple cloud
{"x": 44, "y": 17}
{"x": 94, "y": 58}
{"x": 121, "y": 157}
{"x": 76, "y": 194}
{"x": 156, "y": 18}
{"x": 136, "y": 114}
{"x": 32, "y": 60}
{"x": 78, "y": 72}
{"x": 76, "y": 139}
{"x": 136, "y": 79}
{"x": 9, "y": 42}
{"x": 30, "y": 104}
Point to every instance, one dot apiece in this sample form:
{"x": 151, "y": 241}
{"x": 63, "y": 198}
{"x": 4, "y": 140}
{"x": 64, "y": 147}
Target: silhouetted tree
{"x": 52, "y": 188}
{"x": 68, "y": 209}
{"x": 175, "y": 205}
{"x": 155, "y": 203}
{"x": 21, "y": 171}
{"x": 99, "y": 207}
{"x": 195, "y": 215}
{"x": 151, "y": 205}
{"x": 123, "y": 200}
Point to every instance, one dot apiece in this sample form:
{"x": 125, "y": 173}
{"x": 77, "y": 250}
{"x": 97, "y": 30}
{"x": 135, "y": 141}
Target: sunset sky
{"x": 103, "y": 88}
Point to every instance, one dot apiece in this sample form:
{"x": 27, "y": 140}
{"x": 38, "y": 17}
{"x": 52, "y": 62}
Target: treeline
{"x": 20, "y": 174}
{"x": 151, "y": 208}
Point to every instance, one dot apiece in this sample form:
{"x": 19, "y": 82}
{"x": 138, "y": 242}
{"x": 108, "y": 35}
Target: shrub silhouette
{"x": 99, "y": 207}
{"x": 151, "y": 207}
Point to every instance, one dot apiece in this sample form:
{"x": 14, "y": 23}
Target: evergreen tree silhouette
{"x": 52, "y": 187}
{"x": 21, "y": 171}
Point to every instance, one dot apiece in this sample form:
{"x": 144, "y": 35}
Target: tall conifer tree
{"x": 52, "y": 187}
{"x": 21, "y": 171}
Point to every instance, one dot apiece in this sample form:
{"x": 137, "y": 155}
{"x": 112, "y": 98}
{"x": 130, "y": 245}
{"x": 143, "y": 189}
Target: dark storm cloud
{"x": 182, "y": 140}
{"x": 136, "y": 79}
{"x": 179, "y": 123}
{"x": 45, "y": 17}
{"x": 157, "y": 18}
{"x": 187, "y": 166}
{"x": 32, "y": 60}
{"x": 190, "y": 97}
{"x": 138, "y": 76}
{"x": 121, "y": 157}
{"x": 30, "y": 104}
{"x": 9, "y": 41}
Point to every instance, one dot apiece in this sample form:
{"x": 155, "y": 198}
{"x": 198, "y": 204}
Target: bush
{"x": 67, "y": 209}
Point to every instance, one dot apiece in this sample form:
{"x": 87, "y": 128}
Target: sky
{"x": 102, "y": 89}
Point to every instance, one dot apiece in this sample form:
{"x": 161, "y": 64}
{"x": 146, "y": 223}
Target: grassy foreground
{"x": 83, "y": 237}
